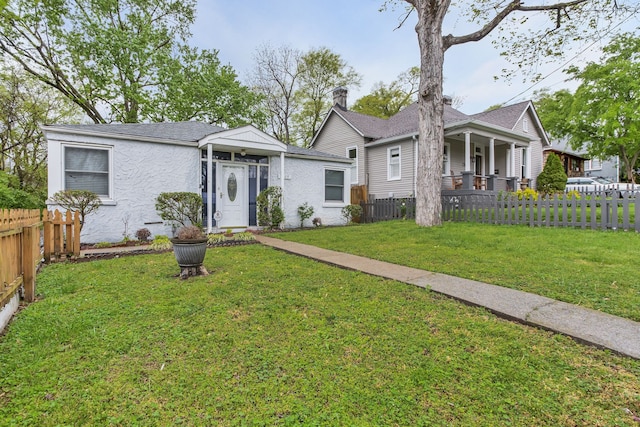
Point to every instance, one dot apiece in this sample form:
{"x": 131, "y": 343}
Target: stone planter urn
{"x": 190, "y": 251}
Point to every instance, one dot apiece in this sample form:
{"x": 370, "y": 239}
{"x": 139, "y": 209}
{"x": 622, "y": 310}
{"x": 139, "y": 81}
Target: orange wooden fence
{"x": 19, "y": 252}
{"x": 61, "y": 235}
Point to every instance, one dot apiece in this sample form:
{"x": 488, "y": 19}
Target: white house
{"x": 129, "y": 165}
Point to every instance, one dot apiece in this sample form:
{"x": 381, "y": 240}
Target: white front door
{"x": 233, "y": 197}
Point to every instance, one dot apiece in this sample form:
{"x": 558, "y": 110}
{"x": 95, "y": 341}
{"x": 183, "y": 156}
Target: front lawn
{"x": 595, "y": 269}
{"x": 274, "y": 339}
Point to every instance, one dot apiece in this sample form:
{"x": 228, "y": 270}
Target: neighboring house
{"x": 580, "y": 164}
{"x": 494, "y": 150}
{"x": 129, "y": 165}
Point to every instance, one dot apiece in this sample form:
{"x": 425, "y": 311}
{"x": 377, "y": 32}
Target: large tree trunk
{"x": 430, "y": 113}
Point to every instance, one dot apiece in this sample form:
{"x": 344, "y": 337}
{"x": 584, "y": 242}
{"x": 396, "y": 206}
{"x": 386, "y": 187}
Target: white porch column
{"x": 512, "y": 158}
{"x": 467, "y": 151}
{"x": 492, "y": 156}
{"x": 210, "y": 189}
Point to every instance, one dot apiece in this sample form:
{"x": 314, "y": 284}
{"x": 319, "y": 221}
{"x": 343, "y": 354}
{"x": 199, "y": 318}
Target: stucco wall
{"x": 304, "y": 182}
{"x": 141, "y": 171}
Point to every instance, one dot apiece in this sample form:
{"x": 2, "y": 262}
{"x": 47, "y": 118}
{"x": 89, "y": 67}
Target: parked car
{"x": 586, "y": 184}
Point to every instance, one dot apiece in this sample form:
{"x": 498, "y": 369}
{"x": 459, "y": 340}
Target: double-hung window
{"x": 87, "y": 169}
{"x": 352, "y": 153}
{"x": 393, "y": 163}
{"x": 333, "y": 186}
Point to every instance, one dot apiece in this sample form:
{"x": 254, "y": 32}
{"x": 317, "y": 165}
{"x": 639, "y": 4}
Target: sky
{"x": 370, "y": 41}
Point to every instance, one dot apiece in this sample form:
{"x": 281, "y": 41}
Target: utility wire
{"x": 567, "y": 62}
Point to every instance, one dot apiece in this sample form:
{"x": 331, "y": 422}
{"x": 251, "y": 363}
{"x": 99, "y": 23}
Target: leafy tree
{"x": 24, "y": 105}
{"x": 552, "y": 179}
{"x": 605, "y": 112}
{"x": 121, "y": 60}
{"x": 557, "y": 24}
{"x": 554, "y": 110}
{"x": 296, "y": 88}
{"x": 275, "y": 78}
{"x": 321, "y": 71}
{"x": 12, "y": 197}
{"x": 83, "y": 201}
{"x": 385, "y": 101}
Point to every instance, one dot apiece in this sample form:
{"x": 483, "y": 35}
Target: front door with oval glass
{"x": 233, "y": 197}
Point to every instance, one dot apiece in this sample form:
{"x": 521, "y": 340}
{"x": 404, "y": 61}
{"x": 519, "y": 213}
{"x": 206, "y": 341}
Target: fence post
{"x": 76, "y": 234}
{"x": 29, "y": 239}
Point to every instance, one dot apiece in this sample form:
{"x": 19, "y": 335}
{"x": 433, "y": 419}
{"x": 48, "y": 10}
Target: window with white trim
{"x": 523, "y": 166}
{"x": 393, "y": 163}
{"x": 525, "y": 125}
{"x": 333, "y": 186}
{"x": 87, "y": 169}
{"x": 352, "y": 153}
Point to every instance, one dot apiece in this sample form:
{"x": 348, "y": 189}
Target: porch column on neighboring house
{"x": 512, "y": 180}
{"x": 210, "y": 188}
{"x": 491, "y": 180}
{"x": 467, "y": 151}
{"x": 467, "y": 173}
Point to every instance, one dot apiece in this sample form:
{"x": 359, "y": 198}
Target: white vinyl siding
{"x": 87, "y": 169}
{"x": 335, "y": 136}
{"x": 394, "y": 171}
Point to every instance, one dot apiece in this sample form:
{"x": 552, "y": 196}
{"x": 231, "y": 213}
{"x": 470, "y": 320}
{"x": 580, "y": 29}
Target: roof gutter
{"x": 127, "y": 137}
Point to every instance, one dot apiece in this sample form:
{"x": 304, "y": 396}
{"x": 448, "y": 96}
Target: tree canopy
{"x": 386, "y": 100}
{"x": 124, "y": 60}
{"x": 603, "y": 116}
{"x": 24, "y": 105}
{"x": 532, "y": 32}
{"x": 296, "y": 88}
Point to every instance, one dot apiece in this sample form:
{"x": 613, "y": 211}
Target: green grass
{"x": 273, "y": 339}
{"x": 595, "y": 269}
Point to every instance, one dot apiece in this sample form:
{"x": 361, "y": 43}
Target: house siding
{"x": 379, "y": 186}
{"x": 304, "y": 183}
{"x": 336, "y": 136}
{"x": 536, "y": 146}
{"x": 141, "y": 171}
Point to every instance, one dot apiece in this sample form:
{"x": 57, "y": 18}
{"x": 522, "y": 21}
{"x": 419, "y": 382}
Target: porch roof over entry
{"x": 247, "y": 138}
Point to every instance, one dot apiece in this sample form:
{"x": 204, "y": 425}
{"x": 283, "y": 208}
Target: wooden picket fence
{"x": 19, "y": 253}
{"x": 61, "y": 235}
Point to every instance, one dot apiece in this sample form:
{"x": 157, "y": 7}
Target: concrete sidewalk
{"x": 589, "y": 326}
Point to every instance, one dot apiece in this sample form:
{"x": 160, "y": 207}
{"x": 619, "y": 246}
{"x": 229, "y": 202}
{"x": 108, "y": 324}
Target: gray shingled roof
{"x": 178, "y": 131}
{"x": 507, "y": 117}
{"x": 403, "y": 123}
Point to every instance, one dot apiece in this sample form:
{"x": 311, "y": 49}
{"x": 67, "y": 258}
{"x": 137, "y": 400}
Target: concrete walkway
{"x": 589, "y": 326}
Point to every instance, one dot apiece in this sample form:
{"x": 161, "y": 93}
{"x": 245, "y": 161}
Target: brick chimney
{"x": 340, "y": 97}
{"x": 447, "y": 100}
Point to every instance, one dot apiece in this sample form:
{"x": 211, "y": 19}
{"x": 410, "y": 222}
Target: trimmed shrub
{"x": 552, "y": 179}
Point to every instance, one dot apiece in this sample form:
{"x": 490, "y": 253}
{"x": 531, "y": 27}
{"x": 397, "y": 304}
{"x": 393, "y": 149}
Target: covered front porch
{"x": 479, "y": 157}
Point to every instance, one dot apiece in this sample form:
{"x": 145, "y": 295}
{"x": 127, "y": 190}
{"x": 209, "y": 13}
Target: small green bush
{"x": 552, "y": 179}
{"x": 213, "y": 239}
{"x": 351, "y": 211}
{"x": 304, "y": 212}
{"x": 161, "y": 243}
{"x": 270, "y": 213}
{"x": 245, "y": 236}
{"x": 180, "y": 208}
{"x": 102, "y": 245}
